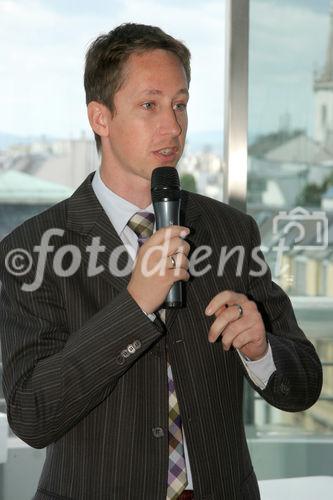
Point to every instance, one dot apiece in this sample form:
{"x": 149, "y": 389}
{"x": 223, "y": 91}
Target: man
{"x": 132, "y": 401}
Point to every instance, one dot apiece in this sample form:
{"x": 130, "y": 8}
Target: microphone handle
{"x": 167, "y": 213}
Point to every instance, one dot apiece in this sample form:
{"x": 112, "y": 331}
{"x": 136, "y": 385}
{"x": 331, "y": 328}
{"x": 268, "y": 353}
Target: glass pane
{"x": 46, "y": 146}
{"x": 290, "y": 178}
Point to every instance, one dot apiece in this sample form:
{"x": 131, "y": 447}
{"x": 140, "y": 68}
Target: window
{"x": 291, "y": 152}
{"x": 46, "y": 146}
{"x": 45, "y": 140}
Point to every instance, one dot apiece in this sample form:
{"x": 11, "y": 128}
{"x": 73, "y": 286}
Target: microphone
{"x": 165, "y": 194}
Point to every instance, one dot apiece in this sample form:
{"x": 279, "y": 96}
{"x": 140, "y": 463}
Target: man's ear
{"x": 99, "y": 118}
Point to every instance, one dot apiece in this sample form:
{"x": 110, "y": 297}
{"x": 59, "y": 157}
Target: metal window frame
{"x": 235, "y": 149}
{"x": 236, "y": 102}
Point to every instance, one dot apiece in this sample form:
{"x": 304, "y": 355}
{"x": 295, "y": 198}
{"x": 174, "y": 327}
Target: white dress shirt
{"x": 119, "y": 212}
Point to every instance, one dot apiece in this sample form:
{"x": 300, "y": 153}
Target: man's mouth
{"x": 166, "y": 153}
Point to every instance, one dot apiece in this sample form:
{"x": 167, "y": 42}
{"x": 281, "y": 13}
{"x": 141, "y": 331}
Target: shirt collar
{"x": 117, "y": 208}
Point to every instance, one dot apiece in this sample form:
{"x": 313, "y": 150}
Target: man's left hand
{"x": 239, "y": 322}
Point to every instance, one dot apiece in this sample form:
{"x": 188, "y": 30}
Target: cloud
{"x": 42, "y": 46}
{"x": 286, "y": 43}
{"x": 42, "y": 56}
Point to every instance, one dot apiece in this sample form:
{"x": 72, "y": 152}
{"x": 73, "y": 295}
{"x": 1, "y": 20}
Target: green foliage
{"x": 188, "y": 183}
{"x": 312, "y": 193}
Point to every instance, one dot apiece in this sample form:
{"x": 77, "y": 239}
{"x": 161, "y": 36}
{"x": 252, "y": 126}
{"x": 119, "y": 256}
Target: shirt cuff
{"x": 260, "y": 370}
{"x": 151, "y": 316}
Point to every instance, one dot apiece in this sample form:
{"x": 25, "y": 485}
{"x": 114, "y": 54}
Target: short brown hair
{"x": 107, "y": 55}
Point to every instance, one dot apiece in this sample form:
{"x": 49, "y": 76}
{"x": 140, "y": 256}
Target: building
{"x": 323, "y": 93}
{"x": 23, "y": 195}
{"x": 64, "y": 162}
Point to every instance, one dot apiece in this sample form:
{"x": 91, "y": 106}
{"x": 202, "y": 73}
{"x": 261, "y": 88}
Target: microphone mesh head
{"x": 165, "y": 176}
{"x": 165, "y": 184}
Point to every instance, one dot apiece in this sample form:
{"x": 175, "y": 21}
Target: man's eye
{"x": 148, "y": 105}
{"x": 180, "y": 106}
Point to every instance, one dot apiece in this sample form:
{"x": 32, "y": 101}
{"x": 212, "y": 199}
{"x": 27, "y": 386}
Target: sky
{"x": 288, "y": 41}
{"x": 43, "y": 43}
{"x": 42, "y": 48}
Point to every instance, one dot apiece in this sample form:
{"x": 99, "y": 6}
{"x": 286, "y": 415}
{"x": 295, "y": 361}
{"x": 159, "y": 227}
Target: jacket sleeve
{"x": 52, "y": 378}
{"x": 296, "y": 384}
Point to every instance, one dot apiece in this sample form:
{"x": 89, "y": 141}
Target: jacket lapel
{"x": 87, "y": 217}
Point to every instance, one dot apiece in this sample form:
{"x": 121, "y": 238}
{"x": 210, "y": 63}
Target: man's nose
{"x": 169, "y": 124}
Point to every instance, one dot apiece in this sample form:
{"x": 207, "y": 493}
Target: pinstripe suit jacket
{"x": 103, "y": 415}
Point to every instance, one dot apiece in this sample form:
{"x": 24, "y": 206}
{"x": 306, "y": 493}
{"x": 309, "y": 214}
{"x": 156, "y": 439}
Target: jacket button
{"x": 158, "y": 432}
{"x": 125, "y": 353}
{"x": 137, "y": 344}
{"x": 120, "y": 360}
{"x": 131, "y": 349}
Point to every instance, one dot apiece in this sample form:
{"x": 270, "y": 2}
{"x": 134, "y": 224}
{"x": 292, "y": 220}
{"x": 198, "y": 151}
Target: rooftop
{"x": 21, "y": 188}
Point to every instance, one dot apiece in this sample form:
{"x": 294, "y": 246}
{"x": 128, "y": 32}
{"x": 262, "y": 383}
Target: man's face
{"x": 149, "y": 127}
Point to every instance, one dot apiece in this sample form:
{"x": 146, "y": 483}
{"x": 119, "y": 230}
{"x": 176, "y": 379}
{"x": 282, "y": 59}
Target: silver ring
{"x": 240, "y": 310}
{"x": 173, "y": 262}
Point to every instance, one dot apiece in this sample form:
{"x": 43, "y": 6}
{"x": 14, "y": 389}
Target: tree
{"x": 187, "y": 182}
{"x": 310, "y": 196}
{"x": 312, "y": 193}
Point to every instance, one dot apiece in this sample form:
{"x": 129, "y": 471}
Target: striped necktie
{"x": 177, "y": 476}
{"x": 142, "y": 223}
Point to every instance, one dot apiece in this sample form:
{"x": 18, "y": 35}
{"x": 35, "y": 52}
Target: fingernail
{"x": 184, "y": 233}
{"x": 208, "y": 310}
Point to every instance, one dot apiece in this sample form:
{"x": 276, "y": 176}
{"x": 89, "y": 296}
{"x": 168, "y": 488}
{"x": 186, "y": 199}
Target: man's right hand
{"x": 153, "y": 273}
